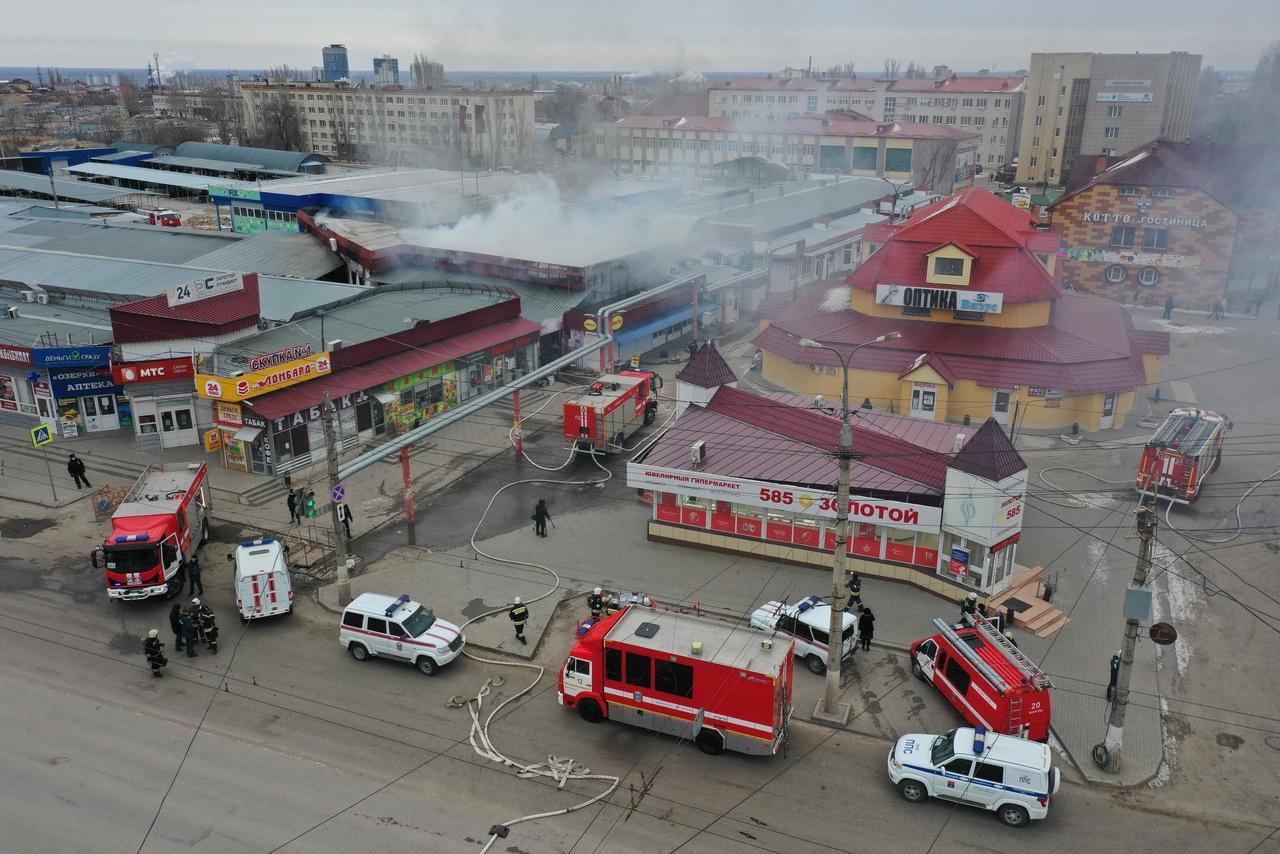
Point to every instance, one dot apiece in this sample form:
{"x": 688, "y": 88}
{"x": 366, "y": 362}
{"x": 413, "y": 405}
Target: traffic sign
{"x": 338, "y": 493}
{"x": 42, "y": 435}
{"x": 1162, "y": 634}
{"x": 635, "y": 361}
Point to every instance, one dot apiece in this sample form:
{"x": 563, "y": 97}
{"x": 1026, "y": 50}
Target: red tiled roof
{"x": 989, "y": 454}
{"x": 281, "y": 403}
{"x": 676, "y": 104}
{"x": 932, "y": 360}
{"x": 707, "y": 369}
{"x": 215, "y": 311}
{"x": 1150, "y": 341}
{"x": 830, "y": 124}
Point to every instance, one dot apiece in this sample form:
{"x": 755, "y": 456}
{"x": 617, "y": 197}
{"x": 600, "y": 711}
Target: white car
{"x": 1011, "y": 776}
{"x": 809, "y": 622}
{"x": 263, "y": 585}
{"x": 375, "y": 625}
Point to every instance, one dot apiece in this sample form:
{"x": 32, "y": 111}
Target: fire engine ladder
{"x": 992, "y": 635}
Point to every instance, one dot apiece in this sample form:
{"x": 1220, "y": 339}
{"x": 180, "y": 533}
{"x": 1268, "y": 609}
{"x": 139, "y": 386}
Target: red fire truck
{"x": 165, "y": 217}
{"x": 987, "y": 679}
{"x": 724, "y": 686}
{"x": 614, "y": 407}
{"x": 161, "y": 523}
{"x": 1182, "y": 453}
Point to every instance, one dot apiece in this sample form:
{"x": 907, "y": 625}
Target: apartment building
{"x": 782, "y": 96}
{"x": 1101, "y": 104}
{"x": 493, "y": 128}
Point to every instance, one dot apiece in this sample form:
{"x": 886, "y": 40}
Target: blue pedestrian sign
{"x": 42, "y": 435}
{"x": 338, "y": 493}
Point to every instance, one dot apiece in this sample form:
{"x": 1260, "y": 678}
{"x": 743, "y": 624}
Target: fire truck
{"x": 162, "y": 522}
{"x": 613, "y": 408}
{"x": 725, "y": 686}
{"x": 166, "y": 218}
{"x": 1182, "y": 453}
{"x": 987, "y": 679}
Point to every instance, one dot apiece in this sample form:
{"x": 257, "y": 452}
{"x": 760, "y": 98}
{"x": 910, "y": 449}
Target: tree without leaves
{"x": 891, "y": 67}
{"x": 1264, "y": 97}
{"x": 280, "y": 126}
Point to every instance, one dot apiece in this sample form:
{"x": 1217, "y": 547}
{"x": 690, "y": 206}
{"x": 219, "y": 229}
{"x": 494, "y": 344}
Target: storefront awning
{"x": 386, "y": 398}
{"x": 662, "y": 321}
{"x": 373, "y": 374}
{"x": 247, "y": 434}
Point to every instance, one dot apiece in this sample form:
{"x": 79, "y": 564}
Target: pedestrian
{"x": 346, "y": 517}
{"x": 866, "y": 628}
{"x": 692, "y": 348}
{"x": 1008, "y": 635}
{"x": 854, "y": 583}
{"x": 188, "y": 626}
{"x": 541, "y": 515}
{"x": 208, "y": 628}
{"x": 193, "y": 573}
{"x": 1168, "y": 307}
{"x": 519, "y": 615}
{"x": 1115, "y": 676}
{"x": 968, "y": 607}
{"x": 153, "y": 648}
{"x": 75, "y": 468}
{"x": 596, "y": 603}
{"x": 175, "y": 623}
{"x": 294, "y": 518}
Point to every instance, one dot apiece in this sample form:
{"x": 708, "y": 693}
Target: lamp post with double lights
{"x": 830, "y": 708}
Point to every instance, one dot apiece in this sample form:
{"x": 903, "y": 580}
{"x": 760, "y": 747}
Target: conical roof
{"x": 707, "y": 369}
{"x": 989, "y": 454}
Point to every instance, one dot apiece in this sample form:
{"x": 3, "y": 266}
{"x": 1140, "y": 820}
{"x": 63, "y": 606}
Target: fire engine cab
{"x": 162, "y": 522}
{"x": 166, "y": 218}
{"x": 725, "y": 686}
{"x": 987, "y": 679}
{"x": 1181, "y": 454}
{"x": 613, "y": 408}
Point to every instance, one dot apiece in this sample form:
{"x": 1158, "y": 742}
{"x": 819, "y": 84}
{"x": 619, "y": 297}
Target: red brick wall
{"x": 1206, "y": 250}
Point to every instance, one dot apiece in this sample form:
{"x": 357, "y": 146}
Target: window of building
{"x": 1111, "y": 132}
{"x": 1040, "y": 101}
{"x": 1039, "y": 121}
{"x": 1108, "y": 152}
{"x": 1032, "y": 163}
{"x": 1035, "y": 142}
{"x": 948, "y": 266}
{"x": 1060, "y": 112}
{"x": 1155, "y": 238}
{"x": 982, "y": 103}
{"x": 968, "y": 102}
{"x": 897, "y": 160}
{"x": 1162, "y": 193}
{"x": 1131, "y": 191}
{"x": 1122, "y": 236}
{"x": 1148, "y": 276}
{"x": 1116, "y": 274}
{"x": 1113, "y": 111}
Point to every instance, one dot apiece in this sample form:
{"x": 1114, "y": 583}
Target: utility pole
{"x": 832, "y": 708}
{"x": 1147, "y": 521}
{"x": 339, "y": 532}
{"x": 409, "y": 514}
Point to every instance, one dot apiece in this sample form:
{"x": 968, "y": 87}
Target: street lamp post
{"x": 830, "y": 708}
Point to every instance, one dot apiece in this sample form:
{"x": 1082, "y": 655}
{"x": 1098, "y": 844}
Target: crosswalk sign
{"x": 41, "y": 435}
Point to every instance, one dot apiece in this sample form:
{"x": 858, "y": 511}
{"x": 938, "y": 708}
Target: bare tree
{"x": 425, "y": 74}
{"x": 843, "y": 70}
{"x": 225, "y": 110}
{"x": 891, "y": 67}
{"x": 915, "y": 71}
{"x": 280, "y": 125}
{"x": 1264, "y": 97}
{"x": 933, "y": 164}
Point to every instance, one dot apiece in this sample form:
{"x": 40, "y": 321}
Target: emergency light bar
{"x": 805, "y": 604}
{"x": 133, "y": 538}
{"x": 979, "y": 743}
{"x": 395, "y": 606}
{"x": 261, "y": 541}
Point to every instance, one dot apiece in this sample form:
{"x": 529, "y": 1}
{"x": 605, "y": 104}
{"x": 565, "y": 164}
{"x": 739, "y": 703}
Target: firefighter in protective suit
{"x": 208, "y": 625}
{"x": 153, "y": 648}
{"x": 595, "y": 602}
{"x": 519, "y": 615}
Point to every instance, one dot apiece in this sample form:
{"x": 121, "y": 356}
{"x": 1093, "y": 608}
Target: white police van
{"x": 809, "y": 622}
{"x": 374, "y": 625}
{"x": 1011, "y": 776}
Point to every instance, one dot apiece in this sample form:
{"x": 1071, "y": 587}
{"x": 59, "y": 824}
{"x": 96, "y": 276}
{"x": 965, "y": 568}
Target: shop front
{"x": 981, "y": 526}
{"x": 25, "y": 392}
{"x": 162, "y": 396}
{"x": 243, "y": 438}
{"x": 87, "y": 397}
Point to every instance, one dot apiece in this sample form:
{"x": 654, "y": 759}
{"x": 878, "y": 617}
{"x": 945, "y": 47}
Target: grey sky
{"x": 607, "y": 34}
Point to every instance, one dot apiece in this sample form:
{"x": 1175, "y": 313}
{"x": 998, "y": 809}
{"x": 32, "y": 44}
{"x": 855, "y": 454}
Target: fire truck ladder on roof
{"x": 992, "y": 635}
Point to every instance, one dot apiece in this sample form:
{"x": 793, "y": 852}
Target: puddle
{"x": 20, "y": 529}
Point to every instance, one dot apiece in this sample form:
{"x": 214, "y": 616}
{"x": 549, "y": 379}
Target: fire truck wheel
{"x": 815, "y": 664}
{"x": 1013, "y": 815}
{"x": 913, "y": 791}
{"x": 204, "y": 532}
{"x": 177, "y": 585}
{"x": 917, "y": 670}
{"x": 427, "y": 665}
{"x": 590, "y": 711}
{"x": 710, "y": 742}
{"x": 358, "y": 652}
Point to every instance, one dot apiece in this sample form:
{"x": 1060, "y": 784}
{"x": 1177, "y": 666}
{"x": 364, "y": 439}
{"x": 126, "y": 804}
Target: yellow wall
{"x": 1016, "y": 316}
{"x": 1151, "y": 365}
{"x": 949, "y": 251}
{"x": 881, "y": 387}
{"x": 924, "y": 374}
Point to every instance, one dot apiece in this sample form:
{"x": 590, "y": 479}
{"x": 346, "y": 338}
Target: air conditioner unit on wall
{"x": 28, "y": 296}
{"x": 42, "y": 298}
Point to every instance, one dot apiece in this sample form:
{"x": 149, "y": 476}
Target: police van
{"x": 1011, "y": 776}
{"x": 263, "y": 585}
{"x": 374, "y": 625}
{"x": 809, "y": 622}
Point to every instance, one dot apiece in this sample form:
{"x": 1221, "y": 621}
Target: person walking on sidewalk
{"x": 346, "y": 517}
{"x": 175, "y": 623}
{"x": 866, "y": 628}
{"x": 294, "y": 518}
{"x": 187, "y": 623}
{"x": 541, "y": 515}
{"x": 153, "y": 648}
{"x": 75, "y": 468}
{"x": 1168, "y": 307}
{"x": 519, "y": 615}
{"x": 193, "y": 572}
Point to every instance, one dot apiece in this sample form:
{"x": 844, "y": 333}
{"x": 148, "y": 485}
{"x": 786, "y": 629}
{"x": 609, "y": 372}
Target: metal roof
{"x": 72, "y": 324}
{"x": 216, "y": 165}
{"x": 277, "y": 253}
{"x": 80, "y": 191}
{"x": 157, "y": 177}
{"x": 543, "y": 304}
{"x": 119, "y": 155}
{"x": 269, "y": 158}
{"x": 117, "y": 279}
{"x": 789, "y": 205}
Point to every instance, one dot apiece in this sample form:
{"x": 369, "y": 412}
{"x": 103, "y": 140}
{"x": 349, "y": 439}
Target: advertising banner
{"x": 261, "y": 382}
{"x": 986, "y": 302}
{"x": 82, "y": 382}
{"x": 159, "y": 370}
{"x": 15, "y": 354}
{"x": 783, "y": 498}
{"x": 71, "y": 357}
{"x": 983, "y": 511}
{"x": 201, "y": 289}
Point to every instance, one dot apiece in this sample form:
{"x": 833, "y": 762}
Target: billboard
{"x": 253, "y": 384}
{"x": 1125, "y": 97}
{"x": 981, "y": 510}
{"x": 985, "y": 302}
{"x": 201, "y": 289}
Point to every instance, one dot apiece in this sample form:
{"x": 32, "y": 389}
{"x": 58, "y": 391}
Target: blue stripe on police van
{"x": 974, "y": 780}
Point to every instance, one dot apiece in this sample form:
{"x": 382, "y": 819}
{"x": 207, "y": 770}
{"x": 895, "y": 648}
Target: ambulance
{"x": 988, "y": 680}
{"x": 809, "y": 622}
{"x": 263, "y": 585}
{"x": 725, "y": 687}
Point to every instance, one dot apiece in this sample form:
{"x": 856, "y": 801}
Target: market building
{"x": 986, "y": 329}
{"x": 1196, "y": 221}
{"x": 935, "y": 505}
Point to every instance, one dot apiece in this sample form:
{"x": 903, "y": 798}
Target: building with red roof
{"x": 986, "y": 329}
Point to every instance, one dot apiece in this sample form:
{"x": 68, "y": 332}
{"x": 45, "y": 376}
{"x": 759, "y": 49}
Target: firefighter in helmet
{"x": 854, "y": 583}
{"x": 519, "y": 615}
{"x": 208, "y": 625}
{"x": 153, "y": 648}
{"x": 968, "y": 607}
{"x": 595, "y": 601}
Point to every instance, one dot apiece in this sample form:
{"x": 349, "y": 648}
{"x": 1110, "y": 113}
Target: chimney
{"x": 958, "y": 443}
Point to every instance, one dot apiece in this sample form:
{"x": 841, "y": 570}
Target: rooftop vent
{"x": 646, "y": 630}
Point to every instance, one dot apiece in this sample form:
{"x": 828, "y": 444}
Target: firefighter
{"x": 193, "y": 575}
{"x": 596, "y": 603}
{"x": 1009, "y": 637}
{"x": 197, "y": 619}
{"x": 968, "y": 607}
{"x": 519, "y": 615}
{"x": 153, "y": 647}
{"x": 188, "y": 626}
{"x": 540, "y": 517}
{"x": 1115, "y": 676}
{"x": 854, "y": 583}
{"x": 209, "y": 628}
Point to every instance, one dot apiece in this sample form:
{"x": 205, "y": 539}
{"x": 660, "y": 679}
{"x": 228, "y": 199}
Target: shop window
{"x": 146, "y": 424}
{"x": 926, "y": 549}
{"x": 901, "y": 545}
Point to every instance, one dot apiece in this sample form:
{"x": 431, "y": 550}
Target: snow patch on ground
{"x": 1098, "y": 558}
{"x": 1177, "y": 602}
{"x": 1170, "y": 753}
{"x": 1099, "y": 500}
{"x": 838, "y": 298}
{"x": 1179, "y": 326}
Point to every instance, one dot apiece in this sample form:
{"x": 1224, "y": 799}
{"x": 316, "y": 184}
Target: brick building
{"x": 1194, "y": 220}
